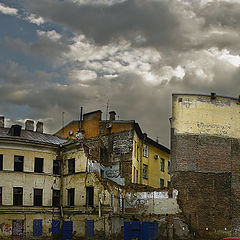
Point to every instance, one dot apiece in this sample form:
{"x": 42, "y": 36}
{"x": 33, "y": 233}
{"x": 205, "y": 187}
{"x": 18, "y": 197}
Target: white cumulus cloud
{"x": 8, "y": 10}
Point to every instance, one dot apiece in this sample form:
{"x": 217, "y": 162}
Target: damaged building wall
{"x": 18, "y": 210}
{"x": 92, "y": 198}
{"x": 128, "y": 155}
{"x": 148, "y": 203}
{"x": 205, "y": 162}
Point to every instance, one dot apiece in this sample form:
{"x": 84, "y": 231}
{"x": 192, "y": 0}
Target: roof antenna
{"x": 80, "y": 119}
{"x": 63, "y": 122}
{"x": 107, "y": 109}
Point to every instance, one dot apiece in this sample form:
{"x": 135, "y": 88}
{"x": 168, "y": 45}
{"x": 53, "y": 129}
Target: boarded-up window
{"x": 145, "y": 171}
{"x": 38, "y": 166}
{"x": 56, "y": 167}
{"x": 145, "y": 150}
{"x": 1, "y": 162}
{"x": 17, "y": 228}
{"x": 161, "y": 183}
{"x": 89, "y": 196}
{"x": 18, "y": 163}
{"x": 71, "y": 165}
{"x": 38, "y": 195}
{"x": 71, "y": 196}
{"x": 162, "y": 162}
{"x": 17, "y": 196}
{"x": 56, "y": 198}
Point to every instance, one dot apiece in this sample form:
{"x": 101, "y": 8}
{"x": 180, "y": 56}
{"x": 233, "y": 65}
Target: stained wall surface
{"x": 205, "y": 157}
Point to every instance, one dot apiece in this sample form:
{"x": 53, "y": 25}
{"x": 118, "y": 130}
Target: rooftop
{"x": 31, "y": 136}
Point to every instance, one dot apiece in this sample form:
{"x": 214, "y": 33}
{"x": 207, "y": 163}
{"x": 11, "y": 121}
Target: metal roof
{"x": 31, "y": 136}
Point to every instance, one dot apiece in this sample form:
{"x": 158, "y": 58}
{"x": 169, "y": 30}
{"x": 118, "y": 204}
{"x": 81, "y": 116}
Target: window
{"x": 71, "y": 196}
{"x": 1, "y": 162}
{"x": 137, "y": 153}
{"x": 135, "y": 148}
{"x": 162, "y": 162}
{"x": 38, "y": 193}
{"x": 17, "y": 196}
{"x": 136, "y": 176}
{"x": 145, "y": 171}
{"x": 0, "y": 196}
{"x": 145, "y": 150}
{"x": 38, "y": 166}
{"x": 89, "y": 196}
{"x": 161, "y": 183}
{"x": 71, "y": 165}
{"x": 134, "y": 171}
{"x": 169, "y": 164}
{"x": 56, "y": 167}
{"x": 168, "y": 184}
{"x": 56, "y": 198}
{"x": 18, "y": 163}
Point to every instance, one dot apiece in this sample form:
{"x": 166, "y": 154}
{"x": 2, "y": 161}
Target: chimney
{"x": 39, "y": 127}
{"x": 29, "y": 125}
{"x": 2, "y": 121}
{"x": 112, "y": 116}
{"x": 213, "y": 95}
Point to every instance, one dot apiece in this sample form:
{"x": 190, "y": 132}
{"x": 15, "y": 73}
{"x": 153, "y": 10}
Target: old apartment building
{"x": 128, "y": 155}
{"x": 205, "y": 154}
{"x": 76, "y": 186}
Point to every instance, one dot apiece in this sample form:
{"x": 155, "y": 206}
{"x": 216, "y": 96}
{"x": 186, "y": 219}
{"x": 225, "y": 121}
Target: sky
{"x": 129, "y": 55}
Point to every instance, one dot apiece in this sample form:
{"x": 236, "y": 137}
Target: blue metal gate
{"x": 37, "y": 227}
{"x": 67, "y": 229}
{"x": 55, "y": 226}
{"x": 140, "y": 230}
{"x": 89, "y": 228}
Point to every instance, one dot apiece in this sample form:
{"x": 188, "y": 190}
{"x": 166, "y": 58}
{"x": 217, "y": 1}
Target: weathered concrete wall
{"x": 148, "y": 203}
{"x": 205, "y": 155}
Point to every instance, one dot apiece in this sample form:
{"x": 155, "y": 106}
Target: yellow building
{"x": 28, "y": 182}
{"x": 135, "y": 157}
{"x": 48, "y": 184}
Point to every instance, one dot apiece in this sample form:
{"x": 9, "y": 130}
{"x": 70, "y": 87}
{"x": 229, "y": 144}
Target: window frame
{"x": 56, "y": 167}
{"x": 17, "y": 164}
{"x": 162, "y": 182}
{"x": 1, "y": 196}
{"x": 38, "y": 197}
{"x": 70, "y": 197}
{"x": 162, "y": 164}
{"x": 56, "y": 199}
{"x": 90, "y": 196}
{"x": 71, "y": 166}
{"x": 17, "y": 196}
{"x": 38, "y": 166}
{"x": 145, "y": 150}
{"x": 145, "y": 171}
{"x": 1, "y": 162}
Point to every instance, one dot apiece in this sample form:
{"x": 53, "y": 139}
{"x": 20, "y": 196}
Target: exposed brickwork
{"x": 206, "y": 172}
{"x": 201, "y": 153}
{"x": 205, "y": 199}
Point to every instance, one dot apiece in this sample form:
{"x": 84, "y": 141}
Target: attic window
{"x": 15, "y": 130}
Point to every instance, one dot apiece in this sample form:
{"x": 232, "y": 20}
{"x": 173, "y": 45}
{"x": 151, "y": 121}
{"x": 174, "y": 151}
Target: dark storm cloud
{"x": 43, "y": 49}
{"x": 153, "y": 20}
